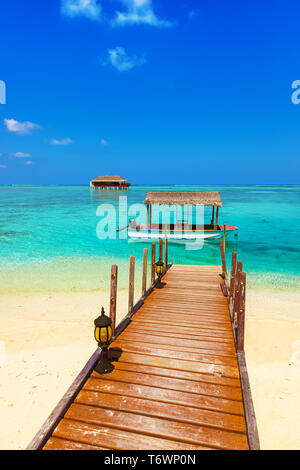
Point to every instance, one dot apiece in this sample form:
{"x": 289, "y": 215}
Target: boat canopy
{"x": 181, "y": 198}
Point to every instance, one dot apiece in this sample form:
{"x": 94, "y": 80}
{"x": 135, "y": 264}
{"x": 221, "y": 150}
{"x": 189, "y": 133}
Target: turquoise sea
{"x": 48, "y": 239}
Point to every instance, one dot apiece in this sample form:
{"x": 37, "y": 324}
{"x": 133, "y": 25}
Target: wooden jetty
{"x": 180, "y": 380}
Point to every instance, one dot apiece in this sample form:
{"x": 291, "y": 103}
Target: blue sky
{"x": 161, "y": 91}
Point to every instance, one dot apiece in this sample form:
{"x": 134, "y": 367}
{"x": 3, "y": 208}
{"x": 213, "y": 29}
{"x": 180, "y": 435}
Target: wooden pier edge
{"x": 250, "y": 418}
{"x": 59, "y": 411}
{"x": 228, "y": 291}
{"x": 41, "y": 437}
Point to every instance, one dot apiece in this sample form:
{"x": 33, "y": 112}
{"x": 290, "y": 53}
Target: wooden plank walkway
{"x": 176, "y": 384}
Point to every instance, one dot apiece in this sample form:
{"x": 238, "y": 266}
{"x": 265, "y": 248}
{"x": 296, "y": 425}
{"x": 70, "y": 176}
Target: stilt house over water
{"x": 109, "y": 182}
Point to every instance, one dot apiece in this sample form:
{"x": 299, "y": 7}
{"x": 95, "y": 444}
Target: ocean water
{"x": 49, "y": 241}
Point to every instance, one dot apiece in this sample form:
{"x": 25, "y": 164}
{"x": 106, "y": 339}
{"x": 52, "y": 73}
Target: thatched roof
{"x": 180, "y": 198}
{"x": 109, "y": 179}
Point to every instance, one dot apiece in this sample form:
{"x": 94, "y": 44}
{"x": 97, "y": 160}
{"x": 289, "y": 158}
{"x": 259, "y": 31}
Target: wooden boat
{"x": 181, "y": 230}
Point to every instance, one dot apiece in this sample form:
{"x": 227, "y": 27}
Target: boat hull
{"x": 144, "y": 234}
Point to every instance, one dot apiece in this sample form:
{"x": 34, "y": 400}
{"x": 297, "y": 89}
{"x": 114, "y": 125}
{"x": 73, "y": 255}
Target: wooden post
{"x": 166, "y": 252}
{"x": 223, "y": 260}
{"x": 216, "y": 222}
{"x": 232, "y": 276}
{"x": 144, "y": 279}
{"x": 131, "y": 284}
{"x": 241, "y": 313}
{"x": 160, "y": 249}
{"x": 153, "y": 264}
{"x": 113, "y": 297}
{"x": 224, "y": 242}
{"x": 239, "y": 269}
{"x": 212, "y": 216}
{"x": 147, "y": 216}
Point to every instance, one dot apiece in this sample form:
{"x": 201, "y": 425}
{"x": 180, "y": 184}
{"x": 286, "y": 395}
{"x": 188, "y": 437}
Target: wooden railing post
{"x": 239, "y": 269}
{"x": 241, "y": 312}
{"x": 232, "y": 275}
{"x": 153, "y": 264}
{"x": 224, "y": 237}
{"x": 160, "y": 249}
{"x": 131, "y": 284}
{"x": 223, "y": 259}
{"x": 166, "y": 253}
{"x": 144, "y": 278}
{"x": 113, "y": 297}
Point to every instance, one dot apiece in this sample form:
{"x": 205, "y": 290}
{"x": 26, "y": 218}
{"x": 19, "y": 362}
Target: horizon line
{"x": 149, "y": 184}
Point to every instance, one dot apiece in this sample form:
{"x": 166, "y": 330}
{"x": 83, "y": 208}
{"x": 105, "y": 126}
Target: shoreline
{"x": 81, "y": 275}
{"x": 48, "y": 339}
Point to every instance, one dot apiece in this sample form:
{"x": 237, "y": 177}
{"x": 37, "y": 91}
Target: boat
{"x": 181, "y": 230}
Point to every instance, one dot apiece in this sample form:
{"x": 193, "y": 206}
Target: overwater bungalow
{"x": 109, "y": 182}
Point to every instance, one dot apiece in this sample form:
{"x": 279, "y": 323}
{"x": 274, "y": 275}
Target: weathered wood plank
{"x": 180, "y": 364}
{"x": 174, "y": 353}
{"x": 181, "y": 342}
{"x": 157, "y": 427}
{"x": 176, "y": 373}
{"x": 173, "y": 333}
{"x": 55, "y": 443}
{"x": 182, "y": 413}
{"x": 115, "y": 438}
{"x": 170, "y": 396}
{"x": 233, "y": 393}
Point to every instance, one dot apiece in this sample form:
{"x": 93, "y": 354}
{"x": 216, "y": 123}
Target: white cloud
{"x": 104, "y": 142}
{"x": 21, "y": 128}
{"x": 88, "y": 8}
{"x": 66, "y": 141}
{"x": 119, "y": 59}
{"x": 139, "y": 12}
{"x": 20, "y": 155}
{"x": 3, "y": 166}
{"x": 29, "y": 162}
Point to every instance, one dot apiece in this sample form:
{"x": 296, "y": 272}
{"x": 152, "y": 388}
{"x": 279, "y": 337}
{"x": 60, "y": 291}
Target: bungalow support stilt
{"x": 147, "y": 216}
{"x": 217, "y": 216}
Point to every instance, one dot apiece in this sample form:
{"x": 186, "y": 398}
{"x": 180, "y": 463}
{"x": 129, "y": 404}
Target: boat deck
{"x": 176, "y": 384}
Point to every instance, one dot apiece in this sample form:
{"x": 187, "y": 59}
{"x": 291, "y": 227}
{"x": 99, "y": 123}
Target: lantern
{"x": 103, "y": 336}
{"x": 103, "y": 330}
{"x": 159, "y": 269}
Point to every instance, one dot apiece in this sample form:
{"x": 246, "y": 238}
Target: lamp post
{"x": 159, "y": 269}
{"x": 103, "y": 336}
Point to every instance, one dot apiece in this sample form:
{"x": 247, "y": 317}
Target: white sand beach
{"x": 49, "y": 337}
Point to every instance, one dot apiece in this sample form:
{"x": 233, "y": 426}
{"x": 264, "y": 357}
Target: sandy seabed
{"x": 46, "y": 339}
